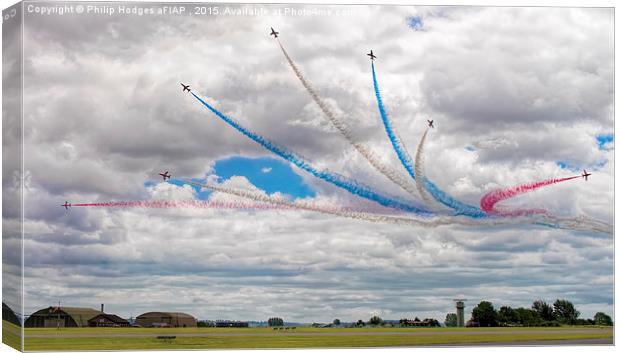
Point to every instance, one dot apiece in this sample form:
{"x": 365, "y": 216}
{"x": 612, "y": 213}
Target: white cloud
{"x": 526, "y": 86}
{"x": 167, "y": 191}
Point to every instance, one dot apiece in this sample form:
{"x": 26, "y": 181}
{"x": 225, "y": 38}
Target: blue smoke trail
{"x": 407, "y": 162}
{"x": 461, "y": 209}
{"x": 338, "y": 180}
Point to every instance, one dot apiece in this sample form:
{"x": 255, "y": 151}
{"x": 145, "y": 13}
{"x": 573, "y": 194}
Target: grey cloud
{"x": 105, "y": 113}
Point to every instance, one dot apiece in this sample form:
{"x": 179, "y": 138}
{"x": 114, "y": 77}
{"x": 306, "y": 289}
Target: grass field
{"x": 262, "y": 330}
{"x": 11, "y": 335}
{"x": 221, "y": 338}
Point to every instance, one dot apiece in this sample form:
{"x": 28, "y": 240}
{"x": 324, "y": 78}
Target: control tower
{"x": 460, "y": 312}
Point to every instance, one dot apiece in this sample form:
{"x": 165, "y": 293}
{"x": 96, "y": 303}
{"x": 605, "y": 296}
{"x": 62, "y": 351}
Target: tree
{"x": 375, "y": 320}
{"x": 430, "y": 322}
{"x": 602, "y": 319}
{"x": 507, "y": 316}
{"x": 360, "y": 323}
{"x": 336, "y": 322}
{"x": 565, "y": 312}
{"x": 275, "y": 321}
{"x": 544, "y": 310}
{"x": 527, "y": 317}
{"x": 450, "y": 320}
{"x": 485, "y": 314}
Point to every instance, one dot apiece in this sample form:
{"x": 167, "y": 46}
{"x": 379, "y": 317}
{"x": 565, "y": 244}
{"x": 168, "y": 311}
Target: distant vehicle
{"x": 372, "y": 56}
{"x": 585, "y": 174}
{"x": 66, "y": 205}
{"x": 430, "y": 123}
{"x": 186, "y": 88}
{"x": 274, "y": 33}
{"x": 165, "y": 175}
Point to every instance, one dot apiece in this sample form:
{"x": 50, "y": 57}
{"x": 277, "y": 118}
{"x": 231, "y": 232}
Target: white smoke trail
{"x": 340, "y": 125}
{"x": 420, "y": 172}
{"x": 335, "y": 211}
{"x": 580, "y": 223}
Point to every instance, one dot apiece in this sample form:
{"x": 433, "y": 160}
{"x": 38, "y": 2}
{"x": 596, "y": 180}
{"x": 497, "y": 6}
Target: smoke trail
{"x": 212, "y": 204}
{"x": 397, "y": 144}
{"x": 581, "y": 223}
{"x": 419, "y": 170}
{"x": 488, "y": 201}
{"x": 344, "y": 130}
{"x": 351, "y": 186}
{"x": 406, "y": 161}
{"x": 180, "y": 204}
{"x": 509, "y": 212}
{"x": 302, "y": 205}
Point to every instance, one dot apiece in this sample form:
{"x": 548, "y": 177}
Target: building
{"x": 9, "y": 315}
{"x": 472, "y": 323}
{"x": 55, "y": 316}
{"x": 165, "y": 319}
{"x": 428, "y": 322}
{"x": 460, "y": 312}
{"x": 230, "y": 323}
{"x": 107, "y": 320}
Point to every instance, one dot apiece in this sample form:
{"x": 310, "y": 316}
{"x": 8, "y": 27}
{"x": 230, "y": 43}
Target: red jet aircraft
{"x": 165, "y": 175}
{"x": 585, "y": 174}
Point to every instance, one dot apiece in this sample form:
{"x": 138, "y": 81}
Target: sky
{"x": 517, "y": 95}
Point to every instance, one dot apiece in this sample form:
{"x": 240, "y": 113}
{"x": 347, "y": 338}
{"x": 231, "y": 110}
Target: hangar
{"x": 165, "y": 319}
{"x": 9, "y": 315}
{"x": 107, "y": 320}
{"x": 55, "y": 316}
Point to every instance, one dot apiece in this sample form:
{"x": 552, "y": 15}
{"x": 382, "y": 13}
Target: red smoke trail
{"x": 488, "y": 201}
{"x": 181, "y": 204}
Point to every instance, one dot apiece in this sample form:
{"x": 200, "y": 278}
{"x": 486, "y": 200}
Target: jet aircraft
{"x": 585, "y": 174}
{"x": 186, "y": 88}
{"x": 372, "y": 56}
{"x": 165, "y": 175}
{"x": 274, "y": 33}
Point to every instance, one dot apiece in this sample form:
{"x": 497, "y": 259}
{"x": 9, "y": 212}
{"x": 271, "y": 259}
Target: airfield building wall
{"x": 61, "y": 317}
{"x": 165, "y": 319}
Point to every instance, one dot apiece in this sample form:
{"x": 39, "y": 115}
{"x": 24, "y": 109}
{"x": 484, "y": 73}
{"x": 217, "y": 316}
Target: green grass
{"x": 262, "y": 330}
{"x": 287, "y": 339}
{"x": 11, "y": 335}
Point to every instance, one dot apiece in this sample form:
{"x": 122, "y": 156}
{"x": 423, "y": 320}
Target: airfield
{"x": 44, "y": 339}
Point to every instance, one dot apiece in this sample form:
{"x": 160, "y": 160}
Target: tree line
{"x": 541, "y": 313}
{"x": 275, "y": 321}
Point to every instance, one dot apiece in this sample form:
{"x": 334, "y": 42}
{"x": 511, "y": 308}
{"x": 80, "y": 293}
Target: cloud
{"x": 524, "y": 96}
{"x": 266, "y": 170}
